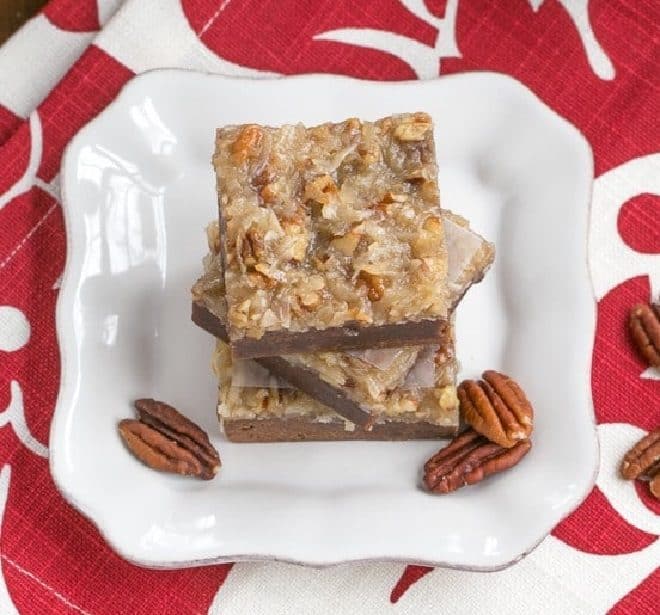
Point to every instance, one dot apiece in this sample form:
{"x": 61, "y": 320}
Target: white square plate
{"x": 138, "y": 191}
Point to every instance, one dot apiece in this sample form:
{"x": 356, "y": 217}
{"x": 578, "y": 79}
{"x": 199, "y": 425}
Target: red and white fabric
{"x": 594, "y": 62}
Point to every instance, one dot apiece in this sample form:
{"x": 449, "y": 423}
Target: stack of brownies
{"x": 331, "y": 283}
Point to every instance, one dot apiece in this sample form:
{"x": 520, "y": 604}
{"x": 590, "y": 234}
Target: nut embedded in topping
{"x": 414, "y": 129}
{"x": 248, "y": 144}
{"x": 266, "y": 176}
{"x": 295, "y": 241}
{"x": 384, "y": 208}
{"x": 321, "y": 189}
{"x": 238, "y": 314}
{"x": 360, "y": 316}
{"x": 433, "y": 224}
{"x": 429, "y": 191}
{"x": 416, "y": 175}
{"x": 299, "y": 248}
{"x": 352, "y": 126}
{"x": 369, "y": 154}
{"x": 259, "y": 279}
{"x": 252, "y": 248}
{"x": 310, "y": 300}
{"x": 347, "y": 243}
{"x": 426, "y": 243}
{"x": 497, "y": 408}
{"x": 269, "y": 193}
{"x": 375, "y": 285}
{"x": 263, "y": 270}
{"x": 391, "y": 197}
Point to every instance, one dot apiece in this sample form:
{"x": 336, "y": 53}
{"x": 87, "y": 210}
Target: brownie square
{"x": 331, "y": 236}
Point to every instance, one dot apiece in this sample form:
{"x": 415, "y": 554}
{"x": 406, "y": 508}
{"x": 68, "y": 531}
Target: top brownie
{"x": 331, "y": 236}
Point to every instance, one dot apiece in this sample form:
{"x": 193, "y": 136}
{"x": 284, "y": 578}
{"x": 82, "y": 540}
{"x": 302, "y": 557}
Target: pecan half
{"x": 643, "y": 459}
{"x": 164, "y": 439}
{"x": 497, "y": 408}
{"x": 468, "y": 459}
{"x": 644, "y": 325}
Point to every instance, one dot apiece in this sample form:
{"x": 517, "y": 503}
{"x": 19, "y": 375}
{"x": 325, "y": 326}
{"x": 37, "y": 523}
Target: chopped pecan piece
{"x": 310, "y": 300}
{"x": 423, "y": 246}
{"x": 321, "y": 189}
{"x": 264, "y": 178}
{"x": 644, "y": 324}
{"x": 429, "y": 190}
{"x": 259, "y": 279}
{"x": 375, "y": 285}
{"x": 269, "y": 193}
{"x": 414, "y": 129}
{"x": 296, "y": 239}
{"x": 468, "y": 459}
{"x": 416, "y": 175}
{"x": 247, "y": 144}
{"x": 392, "y": 197}
{"x": 252, "y": 248}
{"x": 497, "y": 408}
{"x": 643, "y": 459}
{"x": 165, "y": 440}
{"x": 347, "y": 243}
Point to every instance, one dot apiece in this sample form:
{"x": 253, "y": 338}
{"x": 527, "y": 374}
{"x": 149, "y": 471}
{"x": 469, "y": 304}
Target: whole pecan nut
{"x": 643, "y": 459}
{"x": 164, "y": 439}
{"x": 173, "y": 424}
{"x": 468, "y": 459}
{"x": 497, "y": 408}
{"x": 644, "y": 325}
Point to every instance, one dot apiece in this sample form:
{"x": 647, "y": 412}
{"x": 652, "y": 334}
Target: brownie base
{"x": 298, "y": 429}
{"x": 337, "y": 339}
